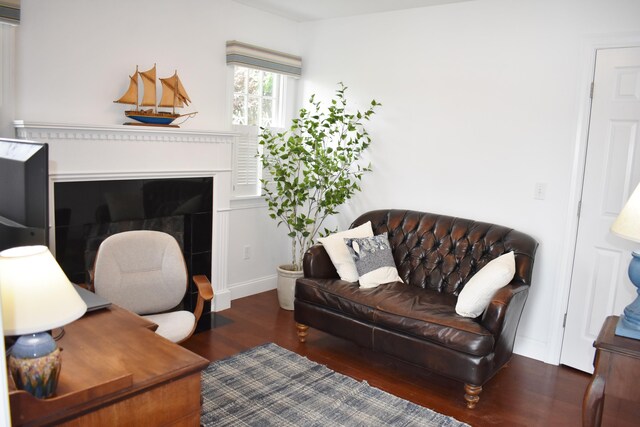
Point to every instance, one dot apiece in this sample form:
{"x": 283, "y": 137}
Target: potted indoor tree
{"x": 309, "y": 170}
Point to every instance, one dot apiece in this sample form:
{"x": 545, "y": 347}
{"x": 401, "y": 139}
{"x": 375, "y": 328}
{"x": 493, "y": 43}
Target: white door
{"x": 600, "y": 285}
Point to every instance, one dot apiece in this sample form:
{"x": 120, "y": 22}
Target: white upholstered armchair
{"x": 144, "y": 271}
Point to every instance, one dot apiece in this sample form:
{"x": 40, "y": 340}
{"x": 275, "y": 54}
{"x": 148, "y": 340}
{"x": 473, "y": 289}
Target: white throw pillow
{"x": 339, "y": 254}
{"x": 477, "y": 293}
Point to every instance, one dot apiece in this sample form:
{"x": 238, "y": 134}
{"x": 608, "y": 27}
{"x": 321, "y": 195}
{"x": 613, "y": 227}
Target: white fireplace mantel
{"x": 63, "y": 131}
{"x": 95, "y": 152}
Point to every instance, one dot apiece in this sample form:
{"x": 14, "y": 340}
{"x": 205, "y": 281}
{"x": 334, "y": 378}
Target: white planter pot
{"x": 286, "y": 285}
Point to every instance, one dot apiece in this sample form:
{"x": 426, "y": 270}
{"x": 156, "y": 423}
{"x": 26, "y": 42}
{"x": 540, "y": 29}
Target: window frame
{"x": 246, "y": 180}
{"x": 277, "y": 97}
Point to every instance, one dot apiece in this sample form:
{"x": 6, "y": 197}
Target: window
{"x": 258, "y": 101}
{"x": 7, "y": 78}
{"x": 261, "y": 91}
{"x": 257, "y": 97}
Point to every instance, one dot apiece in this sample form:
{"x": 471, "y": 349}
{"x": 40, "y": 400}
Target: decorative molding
{"x": 530, "y": 348}
{"x": 252, "y": 287}
{"x": 69, "y": 132}
{"x": 103, "y": 176}
{"x": 253, "y": 202}
{"x": 222, "y": 301}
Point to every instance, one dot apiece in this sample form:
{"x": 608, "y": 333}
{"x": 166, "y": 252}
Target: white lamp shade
{"x": 627, "y": 224}
{"x": 36, "y": 294}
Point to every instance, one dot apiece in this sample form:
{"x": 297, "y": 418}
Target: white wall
{"x": 250, "y": 225}
{"x": 74, "y": 59}
{"x": 480, "y": 102}
{"x": 74, "y": 56}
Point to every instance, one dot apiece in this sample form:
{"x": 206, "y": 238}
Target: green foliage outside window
{"x": 253, "y": 97}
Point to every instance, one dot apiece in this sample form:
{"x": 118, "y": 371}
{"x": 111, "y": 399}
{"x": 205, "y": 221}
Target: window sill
{"x": 247, "y": 202}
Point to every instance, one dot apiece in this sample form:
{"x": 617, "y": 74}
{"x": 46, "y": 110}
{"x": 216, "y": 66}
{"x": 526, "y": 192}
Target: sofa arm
{"x": 316, "y": 263}
{"x": 495, "y": 315}
{"x": 502, "y": 317}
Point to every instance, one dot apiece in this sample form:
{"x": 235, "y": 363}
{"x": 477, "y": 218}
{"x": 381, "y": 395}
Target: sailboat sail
{"x": 181, "y": 92}
{"x": 149, "y": 85}
{"x": 168, "y": 93}
{"x": 173, "y": 93}
{"x": 131, "y": 95}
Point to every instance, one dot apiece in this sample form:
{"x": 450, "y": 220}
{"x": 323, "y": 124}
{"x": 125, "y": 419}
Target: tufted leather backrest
{"x": 442, "y": 253}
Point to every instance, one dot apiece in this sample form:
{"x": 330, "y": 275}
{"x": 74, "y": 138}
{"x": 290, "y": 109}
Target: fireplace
{"x": 87, "y": 212}
{"x": 136, "y": 161}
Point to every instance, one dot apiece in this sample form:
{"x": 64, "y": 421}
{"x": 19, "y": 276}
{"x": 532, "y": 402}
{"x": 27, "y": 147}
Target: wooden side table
{"x": 116, "y": 371}
{"x": 616, "y": 377}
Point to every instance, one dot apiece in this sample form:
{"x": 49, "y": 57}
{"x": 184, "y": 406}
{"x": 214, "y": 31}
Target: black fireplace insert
{"x": 88, "y": 212}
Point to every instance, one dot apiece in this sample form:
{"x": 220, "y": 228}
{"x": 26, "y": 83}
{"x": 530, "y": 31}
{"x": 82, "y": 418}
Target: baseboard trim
{"x": 530, "y": 348}
{"x": 252, "y": 287}
{"x": 221, "y": 300}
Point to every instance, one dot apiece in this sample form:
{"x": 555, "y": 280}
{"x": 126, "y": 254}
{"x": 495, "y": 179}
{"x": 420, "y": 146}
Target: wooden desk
{"x": 617, "y": 370}
{"x": 117, "y": 371}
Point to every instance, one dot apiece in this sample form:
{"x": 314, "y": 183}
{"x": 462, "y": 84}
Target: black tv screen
{"x": 24, "y": 193}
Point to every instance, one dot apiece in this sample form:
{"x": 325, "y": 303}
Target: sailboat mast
{"x": 137, "y": 94}
{"x": 175, "y": 92}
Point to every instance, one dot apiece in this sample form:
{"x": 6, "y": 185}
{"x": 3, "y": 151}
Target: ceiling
{"x": 314, "y": 10}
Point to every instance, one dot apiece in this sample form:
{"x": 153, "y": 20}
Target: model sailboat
{"x": 173, "y": 95}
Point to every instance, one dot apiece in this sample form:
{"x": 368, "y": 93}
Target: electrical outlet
{"x": 540, "y": 191}
{"x": 246, "y": 253}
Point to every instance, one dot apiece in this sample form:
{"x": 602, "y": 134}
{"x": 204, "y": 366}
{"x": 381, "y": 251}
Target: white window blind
{"x": 246, "y": 170}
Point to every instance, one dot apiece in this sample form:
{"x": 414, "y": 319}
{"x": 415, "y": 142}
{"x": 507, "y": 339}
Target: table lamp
{"x": 627, "y": 225}
{"x": 36, "y": 297}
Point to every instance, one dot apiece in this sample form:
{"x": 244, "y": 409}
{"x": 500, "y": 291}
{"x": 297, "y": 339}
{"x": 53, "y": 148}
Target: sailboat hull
{"x": 147, "y": 116}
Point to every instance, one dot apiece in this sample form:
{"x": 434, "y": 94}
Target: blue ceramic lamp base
{"x": 34, "y": 364}
{"x": 629, "y": 323}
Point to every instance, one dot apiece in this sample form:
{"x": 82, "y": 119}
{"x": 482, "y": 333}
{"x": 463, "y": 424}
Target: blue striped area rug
{"x": 271, "y": 386}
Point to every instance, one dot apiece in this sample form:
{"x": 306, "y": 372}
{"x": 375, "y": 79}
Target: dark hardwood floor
{"x": 524, "y": 393}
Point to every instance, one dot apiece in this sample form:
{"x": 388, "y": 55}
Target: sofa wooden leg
{"x": 472, "y": 395}
{"x": 302, "y": 332}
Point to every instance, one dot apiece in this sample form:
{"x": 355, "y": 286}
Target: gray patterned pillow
{"x": 374, "y": 260}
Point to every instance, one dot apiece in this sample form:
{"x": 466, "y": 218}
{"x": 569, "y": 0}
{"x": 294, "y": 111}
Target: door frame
{"x": 588, "y": 49}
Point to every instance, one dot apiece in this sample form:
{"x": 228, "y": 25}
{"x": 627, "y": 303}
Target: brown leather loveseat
{"x": 416, "y": 320}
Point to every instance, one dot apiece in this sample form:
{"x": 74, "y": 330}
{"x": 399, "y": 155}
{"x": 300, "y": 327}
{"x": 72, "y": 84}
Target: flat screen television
{"x": 24, "y": 193}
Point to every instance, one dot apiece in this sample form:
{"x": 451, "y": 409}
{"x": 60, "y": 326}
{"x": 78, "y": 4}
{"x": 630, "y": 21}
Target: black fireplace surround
{"x": 88, "y": 212}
